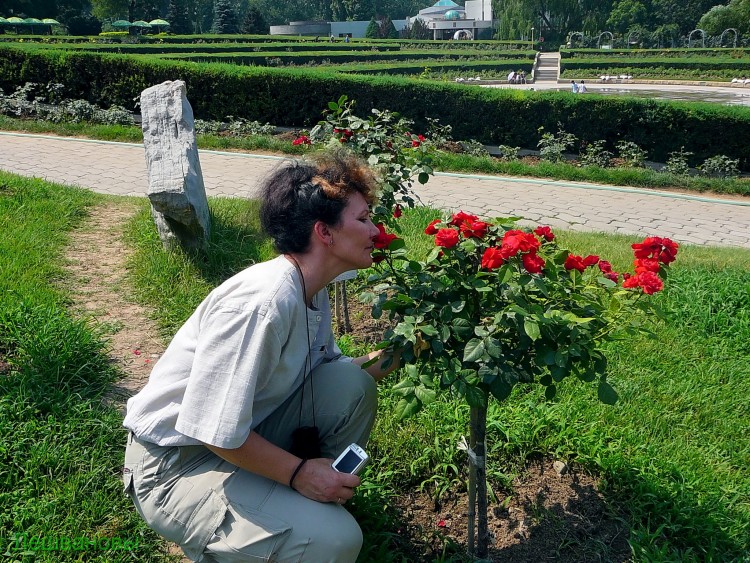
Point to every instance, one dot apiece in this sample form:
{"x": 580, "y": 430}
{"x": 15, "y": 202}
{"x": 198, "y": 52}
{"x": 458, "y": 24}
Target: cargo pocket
{"x": 193, "y": 533}
{"x": 247, "y": 534}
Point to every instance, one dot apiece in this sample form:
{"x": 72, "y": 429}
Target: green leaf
{"x": 494, "y": 348}
{"x": 549, "y": 392}
{"x": 462, "y": 328}
{"x": 475, "y": 397}
{"x": 423, "y": 177}
{"x": 500, "y": 389}
{"x": 606, "y": 393}
{"x": 404, "y": 387}
{"x": 333, "y": 106}
{"x": 406, "y": 407}
{"x": 473, "y": 350}
{"x": 425, "y": 395}
{"x": 531, "y": 328}
{"x": 429, "y": 330}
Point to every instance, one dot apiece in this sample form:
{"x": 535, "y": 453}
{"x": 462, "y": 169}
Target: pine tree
{"x": 387, "y": 29}
{"x": 225, "y": 18}
{"x": 419, "y": 30}
{"x": 254, "y": 23}
{"x": 178, "y": 17}
{"x": 373, "y": 29}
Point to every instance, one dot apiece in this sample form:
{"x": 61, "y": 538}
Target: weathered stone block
{"x": 176, "y": 190}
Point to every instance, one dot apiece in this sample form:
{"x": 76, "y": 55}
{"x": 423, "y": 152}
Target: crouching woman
{"x": 231, "y": 440}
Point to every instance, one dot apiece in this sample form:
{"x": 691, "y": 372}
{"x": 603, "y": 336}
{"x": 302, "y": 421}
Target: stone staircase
{"x": 547, "y": 67}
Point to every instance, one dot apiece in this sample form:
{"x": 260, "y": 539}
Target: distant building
{"x": 445, "y": 18}
{"x": 448, "y": 20}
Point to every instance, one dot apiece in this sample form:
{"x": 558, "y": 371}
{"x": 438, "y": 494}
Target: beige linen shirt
{"x": 236, "y": 359}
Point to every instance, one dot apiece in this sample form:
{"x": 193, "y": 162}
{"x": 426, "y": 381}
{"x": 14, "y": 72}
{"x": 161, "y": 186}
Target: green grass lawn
{"x": 673, "y": 454}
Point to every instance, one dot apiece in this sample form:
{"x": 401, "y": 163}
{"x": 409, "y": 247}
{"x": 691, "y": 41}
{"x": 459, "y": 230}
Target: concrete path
{"x": 120, "y": 169}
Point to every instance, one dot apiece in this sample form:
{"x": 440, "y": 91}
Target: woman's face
{"x": 353, "y": 236}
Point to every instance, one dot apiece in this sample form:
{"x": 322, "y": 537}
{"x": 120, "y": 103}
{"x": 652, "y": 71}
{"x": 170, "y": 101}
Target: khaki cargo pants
{"x": 217, "y": 512}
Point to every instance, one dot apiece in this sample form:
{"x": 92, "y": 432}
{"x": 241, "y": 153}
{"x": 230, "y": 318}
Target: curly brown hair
{"x": 300, "y": 193}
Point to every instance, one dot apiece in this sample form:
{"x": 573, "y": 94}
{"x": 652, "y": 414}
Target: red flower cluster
{"x": 302, "y": 140}
{"x": 650, "y": 255}
{"x": 383, "y": 240}
{"x": 515, "y": 242}
{"x": 418, "y": 141}
{"x": 656, "y": 248}
{"x": 397, "y": 212}
{"x": 545, "y": 232}
{"x": 345, "y": 134}
{"x": 574, "y": 262}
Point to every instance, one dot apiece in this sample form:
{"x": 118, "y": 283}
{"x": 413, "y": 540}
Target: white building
{"x": 448, "y": 20}
{"x": 445, "y": 18}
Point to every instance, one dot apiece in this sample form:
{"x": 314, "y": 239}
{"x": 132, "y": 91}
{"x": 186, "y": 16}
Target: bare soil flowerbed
{"x": 545, "y": 517}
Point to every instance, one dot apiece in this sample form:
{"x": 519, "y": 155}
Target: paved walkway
{"x": 120, "y": 169}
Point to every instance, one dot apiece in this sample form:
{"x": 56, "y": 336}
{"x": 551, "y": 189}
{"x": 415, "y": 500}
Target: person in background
{"x": 231, "y": 440}
{"x": 582, "y": 88}
{"x": 574, "y": 87}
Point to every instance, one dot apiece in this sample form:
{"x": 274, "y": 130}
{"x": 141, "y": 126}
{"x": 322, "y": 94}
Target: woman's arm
{"x": 316, "y": 479}
{"x": 377, "y": 369}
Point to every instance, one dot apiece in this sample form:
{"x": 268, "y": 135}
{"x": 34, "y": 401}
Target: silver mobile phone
{"x": 351, "y": 460}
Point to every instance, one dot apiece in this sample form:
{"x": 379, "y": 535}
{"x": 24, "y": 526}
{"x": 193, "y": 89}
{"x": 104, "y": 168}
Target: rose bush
{"x": 494, "y": 305}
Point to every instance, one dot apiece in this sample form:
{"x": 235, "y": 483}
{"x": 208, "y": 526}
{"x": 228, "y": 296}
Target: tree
{"x": 179, "y": 17}
{"x": 387, "y": 29}
{"x": 419, "y": 30}
{"x": 254, "y": 22}
{"x": 373, "y": 29}
{"x": 734, "y": 15}
{"x": 110, "y": 9}
{"x": 626, "y": 15}
{"x": 225, "y": 18}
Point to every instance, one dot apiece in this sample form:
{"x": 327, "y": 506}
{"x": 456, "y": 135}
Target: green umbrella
{"x": 50, "y": 21}
{"x": 16, "y": 21}
{"x": 160, "y": 23}
{"x": 3, "y": 20}
{"x": 32, "y": 21}
{"x": 121, "y": 23}
{"x": 140, "y": 23}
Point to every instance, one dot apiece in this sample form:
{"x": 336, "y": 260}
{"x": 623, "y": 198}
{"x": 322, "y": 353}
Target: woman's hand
{"x": 317, "y": 480}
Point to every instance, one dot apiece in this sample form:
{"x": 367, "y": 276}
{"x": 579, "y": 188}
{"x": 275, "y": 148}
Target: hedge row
{"x": 153, "y": 48}
{"x": 654, "y": 73}
{"x": 297, "y": 97}
{"x": 738, "y": 66}
{"x": 501, "y": 67}
{"x": 722, "y": 52}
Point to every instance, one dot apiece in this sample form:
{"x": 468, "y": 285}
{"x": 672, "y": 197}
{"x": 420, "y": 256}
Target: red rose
{"x": 533, "y": 263}
{"x": 383, "y": 240}
{"x": 573, "y": 262}
{"x": 650, "y": 282}
{"x": 447, "y": 238}
{"x": 523, "y": 242}
{"x": 605, "y": 266}
{"x": 302, "y": 140}
{"x": 492, "y": 258}
{"x": 415, "y": 144}
{"x": 460, "y": 217}
{"x": 475, "y": 229}
{"x": 397, "y": 212}
{"x": 348, "y": 133}
{"x": 421, "y": 138}
{"x": 342, "y": 140}
{"x": 591, "y": 260}
{"x": 430, "y": 229}
{"x": 647, "y": 248}
{"x": 614, "y": 276}
{"x": 630, "y": 281}
{"x": 646, "y": 265}
{"x": 545, "y": 232}
{"x": 669, "y": 251}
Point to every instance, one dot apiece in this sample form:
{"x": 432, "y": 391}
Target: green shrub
{"x": 720, "y": 166}
{"x": 296, "y": 97}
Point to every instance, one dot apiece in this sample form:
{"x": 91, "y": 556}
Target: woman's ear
{"x": 323, "y": 233}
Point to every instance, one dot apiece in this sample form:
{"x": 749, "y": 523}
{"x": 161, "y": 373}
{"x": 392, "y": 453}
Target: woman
{"x": 208, "y": 462}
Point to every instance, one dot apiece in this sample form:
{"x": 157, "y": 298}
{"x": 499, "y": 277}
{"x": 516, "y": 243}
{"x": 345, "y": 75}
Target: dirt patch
{"x": 96, "y": 263}
{"x": 545, "y": 517}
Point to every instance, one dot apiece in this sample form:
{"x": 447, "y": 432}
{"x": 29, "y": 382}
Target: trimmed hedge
{"x": 296, "y": 97}
{"x": 722, "y": 52}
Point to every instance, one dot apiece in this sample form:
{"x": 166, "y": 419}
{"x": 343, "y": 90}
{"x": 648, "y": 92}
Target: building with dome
{"x": 448, "y": 20}
{"x": 445, "y": 18}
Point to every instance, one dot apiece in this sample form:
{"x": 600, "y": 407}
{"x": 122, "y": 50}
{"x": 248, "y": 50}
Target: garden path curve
{"x": 120, "y": 169}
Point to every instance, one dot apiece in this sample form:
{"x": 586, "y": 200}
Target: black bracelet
{"x": 291, "y": 480}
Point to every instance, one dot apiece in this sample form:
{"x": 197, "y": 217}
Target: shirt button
{"x": 317, "y": 318}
